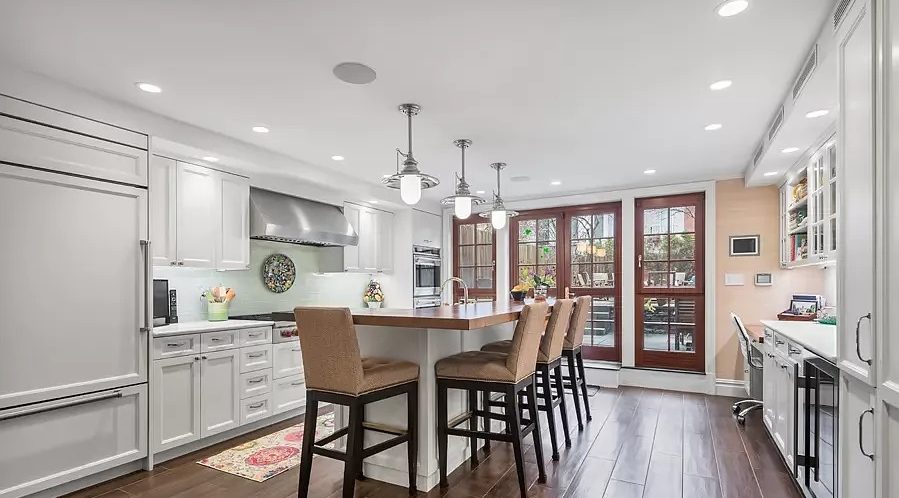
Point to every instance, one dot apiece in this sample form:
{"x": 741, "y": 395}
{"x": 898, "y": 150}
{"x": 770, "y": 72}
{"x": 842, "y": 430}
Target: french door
{"x": 474, "y": 258}
{"x": 575, "y": 250}
{"x": 669, "y": 282}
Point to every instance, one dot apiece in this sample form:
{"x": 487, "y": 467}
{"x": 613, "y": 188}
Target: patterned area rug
{"x": 269, "y": 455}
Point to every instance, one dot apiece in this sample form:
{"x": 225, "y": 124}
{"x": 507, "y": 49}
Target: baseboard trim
{"x": 668, "y": 380}
{"x": 734, "y": 388}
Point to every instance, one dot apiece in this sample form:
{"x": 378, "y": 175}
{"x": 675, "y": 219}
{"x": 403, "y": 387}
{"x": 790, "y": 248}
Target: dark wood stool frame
{"x": 355, "y": 452}
{"x": 575, "y": 380}
{"x": 516, "y": 426}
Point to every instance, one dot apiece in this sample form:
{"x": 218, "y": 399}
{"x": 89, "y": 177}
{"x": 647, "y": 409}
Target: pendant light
{"x": 462, "y": 200}
{"x": 410, "y": 180}
{"x": 499, "y": 215}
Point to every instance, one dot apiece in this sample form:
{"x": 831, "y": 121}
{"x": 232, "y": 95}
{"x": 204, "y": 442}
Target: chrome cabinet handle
{"x": 174, "y": 344}
{"x": 257, "y": 334}
{"x": 297, "y": 350}
{"x": 296, "y": 383}
{"x": 255, "y": 355}
{"x": 858, "y": 348}
{"x": 256, "y": 380}
{"x": 257, "y": 405}
{"x": 148, "y": 289}
{"x": 31, "y": 410}
{"x": 778, "y": 342}
{"x": 795, "y": 350}
{"x": 861, "y": 446}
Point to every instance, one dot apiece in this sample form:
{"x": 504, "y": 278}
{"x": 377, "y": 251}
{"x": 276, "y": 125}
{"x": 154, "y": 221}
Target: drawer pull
{"x": 174, "y": 344}
{"x": 256, "y": 355}
{"x": 256, "y": 405}
{"x": 256, "y": 380}
{"x": 297, "y": 350}
{"x": 795, "y": 350}
{"x": 257, "y": 334}
{"x": 66, "y": 404}
{"x": 778, "y": 342}
{"x": 297, "y": 383}
{"x": 216, "y": 339}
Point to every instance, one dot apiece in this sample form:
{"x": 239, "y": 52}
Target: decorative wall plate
{"x": 278, "y": 273}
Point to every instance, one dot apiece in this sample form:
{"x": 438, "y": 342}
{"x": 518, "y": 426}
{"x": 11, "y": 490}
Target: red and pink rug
{"x": 269, "y": 455}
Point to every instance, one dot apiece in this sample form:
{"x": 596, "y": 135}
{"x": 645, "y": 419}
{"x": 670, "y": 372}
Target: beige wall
{"x": 751, "y": 211}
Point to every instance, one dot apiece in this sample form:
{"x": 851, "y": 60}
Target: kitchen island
{"x": 424, "y": 336}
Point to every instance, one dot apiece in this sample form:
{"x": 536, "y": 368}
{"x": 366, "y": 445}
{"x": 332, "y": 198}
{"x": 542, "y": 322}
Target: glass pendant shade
{"x": 410, "y": 189}
{"x": 498, "y": 218}
{"x": 462, "y": 207}
{"x": 462, "y": 200}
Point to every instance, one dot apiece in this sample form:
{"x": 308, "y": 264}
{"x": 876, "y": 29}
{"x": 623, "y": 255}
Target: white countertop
{"x": 205, "y": 326}
{"x": 815, "y": 337}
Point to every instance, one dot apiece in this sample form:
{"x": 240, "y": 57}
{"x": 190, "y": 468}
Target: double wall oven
{"x": 426, "y": 265}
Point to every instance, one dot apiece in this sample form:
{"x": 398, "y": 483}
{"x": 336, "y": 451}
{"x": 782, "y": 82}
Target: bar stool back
{"x": 337, "y": 373}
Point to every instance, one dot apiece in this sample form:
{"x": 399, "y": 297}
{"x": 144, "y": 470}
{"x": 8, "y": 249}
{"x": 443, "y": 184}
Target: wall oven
{"x": 818, "y": 467}
{"x": 426, "y": 271}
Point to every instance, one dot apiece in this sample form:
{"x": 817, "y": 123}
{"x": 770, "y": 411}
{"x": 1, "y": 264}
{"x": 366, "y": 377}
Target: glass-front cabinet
{"x": 808, "y": 207}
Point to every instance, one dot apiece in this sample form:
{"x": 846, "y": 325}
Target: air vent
{"x": 840, "y": 12}
{"x": 775, "y": 124}
{"x": 807, "y": 69}
{"x": 758, "y": 154}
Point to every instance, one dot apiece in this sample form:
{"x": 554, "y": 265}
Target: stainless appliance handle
{"x": 861, "y": 445}
{"x": 858, "y": 348}
{"x": 63, "y": 404}
{"x": 426, "y": 262}
{"x": 148, "y": 287}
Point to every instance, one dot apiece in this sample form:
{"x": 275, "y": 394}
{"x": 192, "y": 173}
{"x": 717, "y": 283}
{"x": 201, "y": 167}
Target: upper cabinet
{"x": 199, "y": 217}
{"x": 374, "y": 253}
{"x": 809, "y": 210}
{"x": 427, "y": 229}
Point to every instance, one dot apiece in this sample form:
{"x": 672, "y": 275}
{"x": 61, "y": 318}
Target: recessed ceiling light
{"x": 337, "y": 158}
{"x": 386, "y": 176}
{"x": 730, "y": 8}
{"x": 713, "y": 127}
{"x": 721, "y": 85}
{"x": 817, "y": 114}
{"x": 788, "y": 150}
{"x": 355, "y": 73}
{"x": 555, "y": 182}
{"x": 373, "y": 201}
{"x": 148, "y": 87}
{"x": 210, "y": 159}
{"x": 771, "y": 173}
{"x": 649, "y": 172}
{"x": 260, "y": 129}
{"x": 479, "y": 192}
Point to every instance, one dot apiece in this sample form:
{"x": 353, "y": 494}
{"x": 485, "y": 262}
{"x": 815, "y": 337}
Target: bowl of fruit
{"x": 519, "y": 292}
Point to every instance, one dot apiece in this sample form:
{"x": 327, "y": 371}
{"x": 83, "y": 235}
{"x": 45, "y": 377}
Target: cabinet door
{"x": 287, "y": 359}
{"x": 428, "y": 229}
{"x": 351, "y": 253}
{"x": 856, "y": 203}
{"x": 769, "y": 390}
{"x": 385, "y": 241}
{"x": 234, "y": 243}
{"x": 368, "y": 239}
{"x": 857, "y": 429}
{"x": 198, "y": 220}
{"x": 219, "y": 391}
{"x": 175, "y": 408}
{"x": 163, "y": 178}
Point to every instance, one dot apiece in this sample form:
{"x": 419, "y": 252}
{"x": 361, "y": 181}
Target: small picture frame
{"x": 803, "y": 307}
{"x": 744, "y": 245}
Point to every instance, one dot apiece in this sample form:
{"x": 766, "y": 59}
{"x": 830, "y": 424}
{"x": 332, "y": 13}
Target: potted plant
{"x": 542, "y": 285}
{"x": 373, "y": 295}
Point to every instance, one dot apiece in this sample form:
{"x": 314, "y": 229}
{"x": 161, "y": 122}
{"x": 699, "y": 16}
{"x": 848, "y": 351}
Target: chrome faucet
{"x": 461, "y": 282}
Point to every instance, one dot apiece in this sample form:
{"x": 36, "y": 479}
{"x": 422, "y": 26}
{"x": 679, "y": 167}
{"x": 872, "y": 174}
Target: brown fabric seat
{"x": 574, "y": 338}
{"x": 518, "y": 363}
{"x": 551, "y": 341}
{"x": 331, "y": 358}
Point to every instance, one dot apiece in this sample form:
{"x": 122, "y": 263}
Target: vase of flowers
{"x": 542, "y": 285}
{"x": 373, "y": 295}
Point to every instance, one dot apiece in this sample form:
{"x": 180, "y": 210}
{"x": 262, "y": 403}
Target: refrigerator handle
{"x": 148, "y": 287}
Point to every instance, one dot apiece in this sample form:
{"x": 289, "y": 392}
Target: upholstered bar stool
{"x": 576, "y": 380}
{"x": 549, "y": 359}
{"x": 509, "y": 374}
{"x": 337, "y": 373}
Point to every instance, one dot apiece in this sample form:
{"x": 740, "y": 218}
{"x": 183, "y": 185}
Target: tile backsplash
{"x": 312, "y": 285}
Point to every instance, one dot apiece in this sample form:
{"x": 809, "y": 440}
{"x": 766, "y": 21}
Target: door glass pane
{"x": 655, "y": 247}
{"x": 485, "y": 233}
{"x": 683, "y": 219}
{"x": 468, "y": 276}
{"x": 466, "y": 256}
{"x": 683, "y": 273}
{"x": 669, "y": 324}
{"x": 547, "y": 274}
{"x": 527, "y": 254}
{"x": 466, "y": 234}
{"x": 683, "y": 323}
{"x": 526, "y": 275}
{"x": 580, "y": 227}
{"x": 655, "y": 275}
{"x": 599, "y": 330}
{"x": 604, "y": 250}
{"x": 604, "y": 225}
{"x": 485, "y": 278}
{"x": 580, "y": 251}
{"x": 546, "y": 229}
{"x": 582, "y": 275}
{"x": 655, "y": 324}
{"x": 546, "y": 254}
{"x": 485, "y": 255}
{"x": 604, "y": 275}
{"x": 527, "y": 231}
{"x": 683, "y": 246}
{"x": 655, "y": 221}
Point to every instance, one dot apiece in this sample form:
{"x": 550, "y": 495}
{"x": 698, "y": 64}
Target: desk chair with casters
{"x": 752, "y": 368}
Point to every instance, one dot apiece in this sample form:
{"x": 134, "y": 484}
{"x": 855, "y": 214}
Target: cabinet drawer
{"x": 216, "y": 341}
{"x": 255, "y": 336}
{"x": 255, "y": 408}
{"x": 255, "y": 383}
{"x": 63, "y": 440}
{"x": 181, "y": 345}
{"x": 288, "y": 359}
{"x": 255, "y": 358}
{"x": 288, "y": 393}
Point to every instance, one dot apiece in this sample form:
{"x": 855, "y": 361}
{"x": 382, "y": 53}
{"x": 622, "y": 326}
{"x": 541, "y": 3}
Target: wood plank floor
{"x": 641, "y": 443}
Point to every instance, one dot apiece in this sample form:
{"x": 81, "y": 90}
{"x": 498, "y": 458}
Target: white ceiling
{"x": 587, "y": 92}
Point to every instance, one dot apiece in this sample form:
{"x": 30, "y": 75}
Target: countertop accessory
{"x": 373, "y": 295}
{"x": 499, "y": 215}
{"x": 410, "y": 180}
{"x": 278, "y": 273}
{"x": 462, "y": 200}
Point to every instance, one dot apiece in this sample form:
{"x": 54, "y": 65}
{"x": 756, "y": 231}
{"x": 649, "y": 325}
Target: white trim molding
{"x": 734, "y": 388}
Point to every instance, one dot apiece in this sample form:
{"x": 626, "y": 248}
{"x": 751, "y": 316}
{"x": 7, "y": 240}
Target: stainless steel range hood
{"x": 283, "y": 218}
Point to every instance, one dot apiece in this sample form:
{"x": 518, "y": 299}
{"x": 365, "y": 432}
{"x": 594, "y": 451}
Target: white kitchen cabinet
{"x": 255, "y": 383}
{"x": 163, "y": 180}
{"x": 288, "y": 393}
{"x": 256, "y": 408}
{"x": 176, "y": 384}
{"x": 287, "y": 359}
{"x": 234, "y": 237}
{"x": 255, "y": 358}
{"x": 220, "y": 391}
{"x": 427, "y": 229}
{"x": 374, "y": 252}
{"x": 769, "y": 386}
{"x": 857, "y": 437}
{"x": 196, "y": 215}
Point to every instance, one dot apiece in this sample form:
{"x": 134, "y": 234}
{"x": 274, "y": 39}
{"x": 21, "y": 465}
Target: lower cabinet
{"x": 780, "y": 402}
{"x": 219, "y": 391}
{"x": 63, "y": 440}
{"x": 288, "y": 393}
{"x": 176, "y": 393}
{"x": 857, "y": 441}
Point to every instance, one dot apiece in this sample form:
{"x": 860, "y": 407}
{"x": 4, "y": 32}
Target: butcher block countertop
{"x": 456, "y": 317}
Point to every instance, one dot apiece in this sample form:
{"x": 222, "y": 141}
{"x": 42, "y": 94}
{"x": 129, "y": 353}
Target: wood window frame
{"x": 694, "y": 361}
{"x": 473, "y": 292}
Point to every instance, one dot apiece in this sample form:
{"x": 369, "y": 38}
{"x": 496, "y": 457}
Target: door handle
{"x": 861, "y": 445}
{"x": 858, "y": 348}
{"x": 148, "y": 286}
{"x": 639, "y": 261}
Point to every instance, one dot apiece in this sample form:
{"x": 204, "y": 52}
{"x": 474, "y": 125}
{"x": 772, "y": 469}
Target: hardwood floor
{"x": 641, "y": 443}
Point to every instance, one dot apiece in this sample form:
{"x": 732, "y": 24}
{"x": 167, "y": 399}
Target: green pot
{"x": 217, "y": 312}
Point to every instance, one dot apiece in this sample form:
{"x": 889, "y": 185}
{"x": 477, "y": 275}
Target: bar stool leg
{"x": 513, "y": 415}
{"x": 572, "y": 374}
{"x": 538, "y": 439}
{"x": 583, "y": 376}
{"x": 473, "y": 425}
{"x": 360, "y": 441}
{"x": 560, "y": 392}
{"x": 485, "y": 403}
{"x": 542, "y": 376}
{"x": 353, "y": 455}
{"x": 308, "y": 441}
{"x": 412, "y": 444}
{"x": 441, "y": 432}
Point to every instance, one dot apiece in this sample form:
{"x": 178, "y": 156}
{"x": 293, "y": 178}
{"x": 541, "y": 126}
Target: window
{"x": 474, "y": 257}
